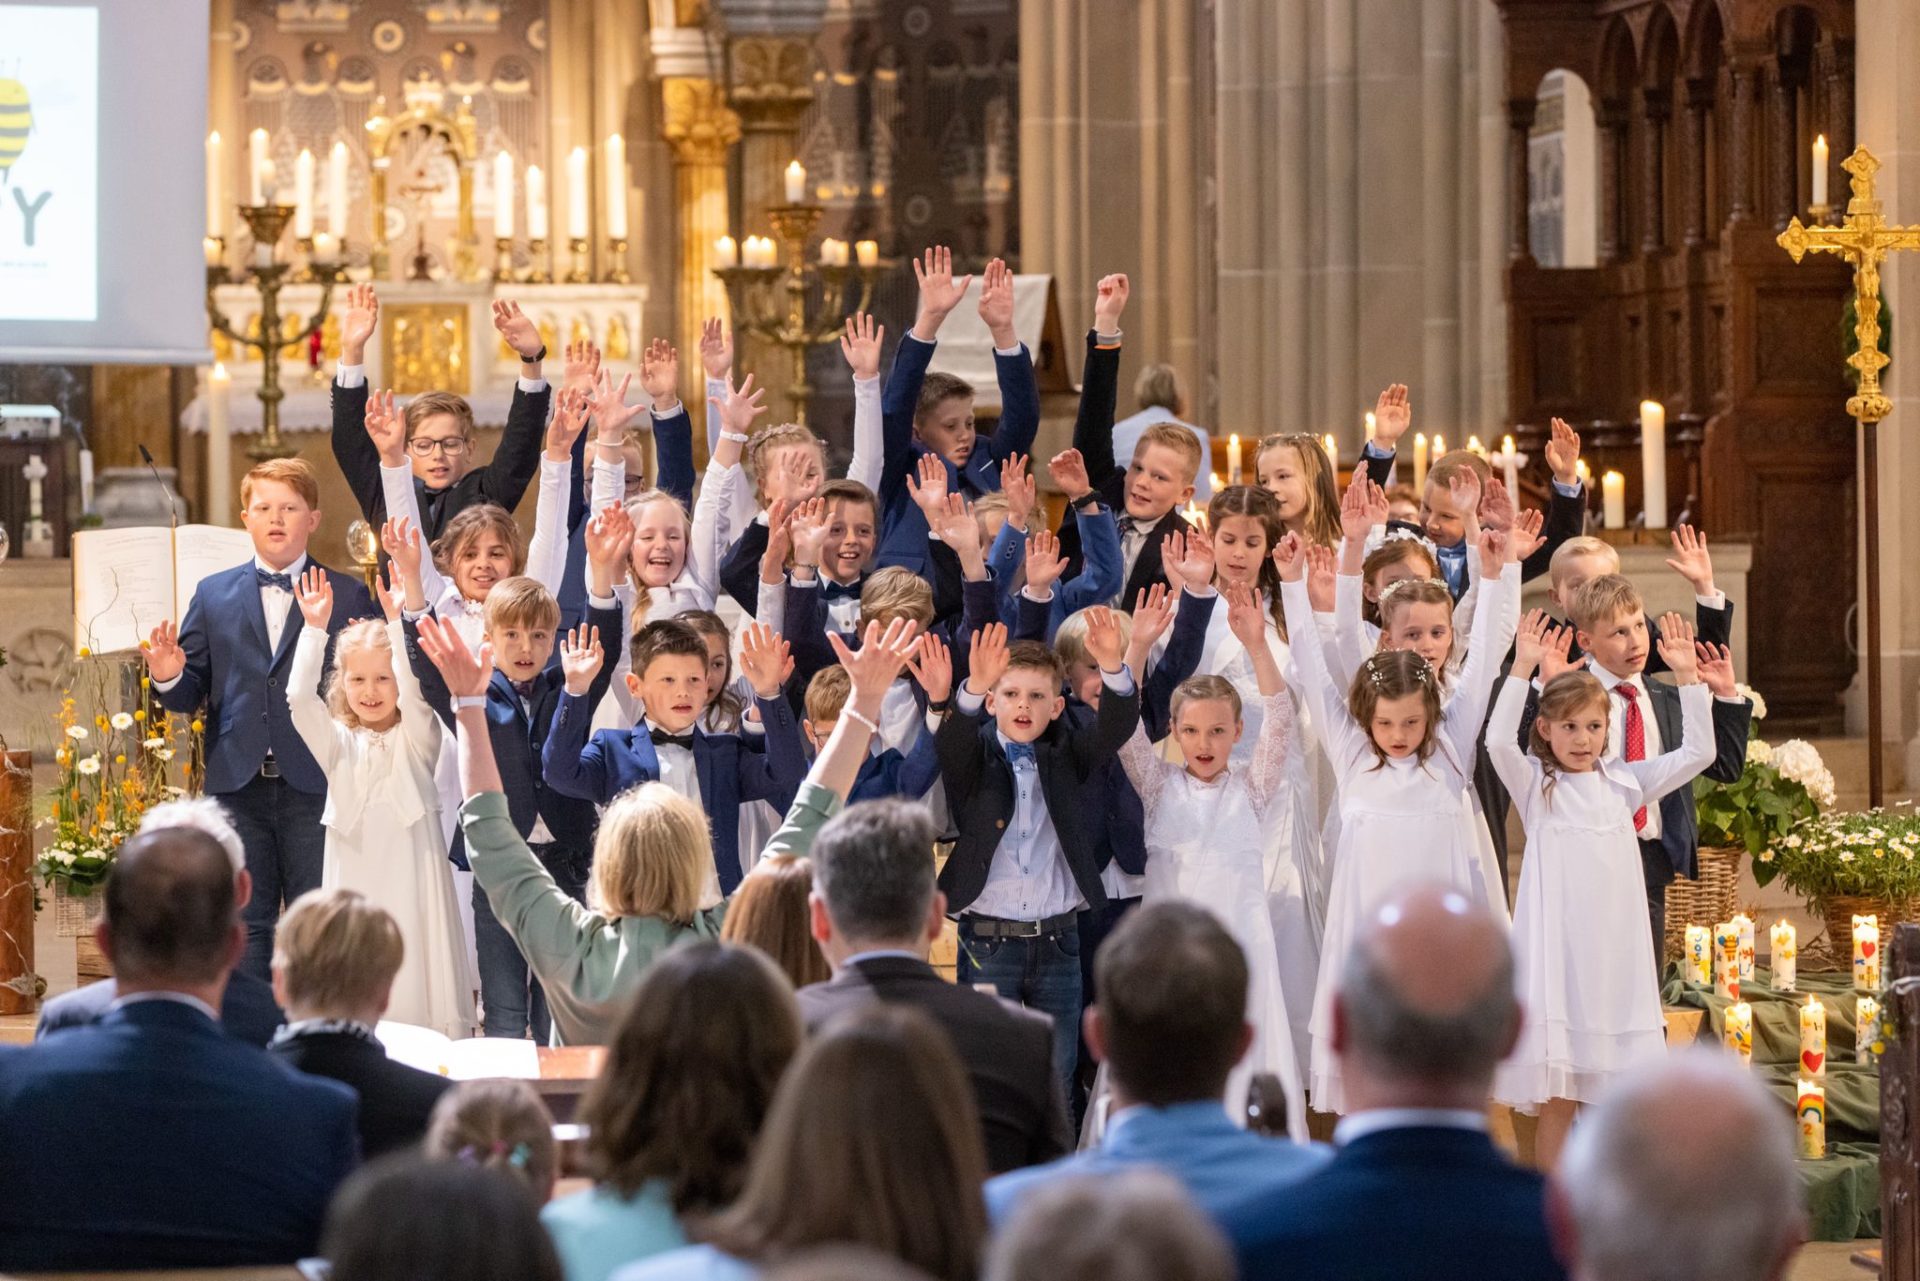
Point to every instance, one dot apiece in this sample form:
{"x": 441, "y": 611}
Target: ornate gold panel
{"x": 426, "y": 348}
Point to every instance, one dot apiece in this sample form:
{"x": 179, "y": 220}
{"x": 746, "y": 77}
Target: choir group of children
{"x": 1283, "y": 711}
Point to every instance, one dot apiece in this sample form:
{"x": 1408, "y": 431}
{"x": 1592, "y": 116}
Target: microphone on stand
{"x": 173, "y": 512}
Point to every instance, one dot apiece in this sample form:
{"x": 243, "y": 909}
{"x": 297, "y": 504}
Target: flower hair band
{"x": 1380, "y": 535}
{"x": 1422, "y": 674}
{"x": 517, "y": 1156}
{"x": 1397, "y": 584}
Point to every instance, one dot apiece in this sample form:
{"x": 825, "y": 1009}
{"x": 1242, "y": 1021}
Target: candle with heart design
{"x": 1784, "y": 958}
{"x": 1811, "y": 1111}
{"x": 1726, "y": 961}
{"x": 1736, "y": 1032}
{"x": 1813, "y": 1039}
{"x": 1699, "y": 954}
{"x": 1866, "y": 953}
{"x": 1866, "y": 1029}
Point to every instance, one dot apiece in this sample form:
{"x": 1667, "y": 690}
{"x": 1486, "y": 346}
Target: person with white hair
{"x": 247, "y": 1010}
{"x": 1640, "y": 1193}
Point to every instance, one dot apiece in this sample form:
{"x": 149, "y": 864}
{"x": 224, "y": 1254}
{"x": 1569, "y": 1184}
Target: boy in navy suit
{"x": 1580, "y": 560}
{"x": 1021, "y": 785}
{"x": 1455, "y": 503}
{"x": 715, "y": 771}
{"x": 886, "y": 771}
{"x": 231, "y": 655}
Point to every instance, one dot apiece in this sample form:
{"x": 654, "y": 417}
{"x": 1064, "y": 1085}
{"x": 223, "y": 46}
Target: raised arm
{"x": 517, "y": 457}
{"x": 1494, "y": 622}
{"x": 1325, "y": 700}
{"x": 305, "y": 707}
{"x": 547, "y": 550}
{"x": 385, "y": 427}
{"x": 1019, "y": 390}
{"x": 861, "y": 344}
{"x": 1516, "y": 768}
{"x": 1100, "y": 381}
{"x": 1684, "y": 760}
{"x": 358, "y": 459}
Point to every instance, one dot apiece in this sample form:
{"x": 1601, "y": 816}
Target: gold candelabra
{"x": 268, "y": 274}
{"x": 761, "y": 311}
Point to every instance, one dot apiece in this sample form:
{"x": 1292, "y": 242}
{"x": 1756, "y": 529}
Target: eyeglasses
{"x": 451, "y": 446}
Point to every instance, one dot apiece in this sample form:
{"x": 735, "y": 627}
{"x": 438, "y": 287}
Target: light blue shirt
{"x": 693, "y": 1263}
{"x": 598, "y": 1232}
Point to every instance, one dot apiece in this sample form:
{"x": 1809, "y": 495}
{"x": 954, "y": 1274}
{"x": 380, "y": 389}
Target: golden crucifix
{"x": 1863, "y": 239}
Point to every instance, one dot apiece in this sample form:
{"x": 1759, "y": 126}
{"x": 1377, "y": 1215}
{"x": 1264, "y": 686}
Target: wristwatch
{"x": 1089, "y": 499}
{"x": 536, "y": 357}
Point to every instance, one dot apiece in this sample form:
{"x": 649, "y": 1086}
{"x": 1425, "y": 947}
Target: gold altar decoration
{"x": 1863, "y": 239}
{"x": 426, "y": 348}
{"x": 460, "y": 133}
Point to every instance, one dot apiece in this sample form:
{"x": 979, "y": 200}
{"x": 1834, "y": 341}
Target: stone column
{"x": 1612, "y": 121}
{"x": 1442, "y": 374}
{"x": 1742, "y": 84}
{"x": 700, "y": 128}
{"x": 1784, "y": 170}
{"x": 1699, "y": 104}
{"x": 1653, "y": 208}
{"x": 619, "y": 36}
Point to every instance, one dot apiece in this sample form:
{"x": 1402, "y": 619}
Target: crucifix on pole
{"x": 1863, "y": 239}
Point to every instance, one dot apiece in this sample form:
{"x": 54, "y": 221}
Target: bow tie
{"x": 266, "y": 578}
{"x": 1017, "y": 752}
{"x": 661, "y": 738}
{"x": 523, "y": 688}
{"x": 1458, "y": 552}
{"x": 831, "y": 590}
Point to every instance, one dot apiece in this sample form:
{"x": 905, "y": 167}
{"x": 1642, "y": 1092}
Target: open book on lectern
{"x": 126, "y": 582}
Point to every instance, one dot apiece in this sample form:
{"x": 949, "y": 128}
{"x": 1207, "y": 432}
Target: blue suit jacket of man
{"x": 247, "y": 1009}
{"x": 1217, "y": 1162}
{"x": 242, "y": 684}
{"x": 1430, "y": 1202}
{"x": 154, "y": 1140}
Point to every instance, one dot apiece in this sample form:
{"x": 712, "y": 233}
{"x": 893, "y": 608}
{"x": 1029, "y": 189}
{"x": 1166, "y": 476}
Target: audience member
{"x": 1641, "y": 1193}
{"x": 1170, "y": 1024}
{"x": 876, "y": 913}
{"x": 497, "y": 1125}
{"x": 769, "y": 912}
{"x": 1158, "y": 393}
{"x": 872, "y": 1141}
{"x": 1133, "y": 1226}
{"x": 334, "y": 960}
{"x": 152, "y": 1139}
{"x": 1416, "y": 1186}
{"x": 408, "y": 1219}
{"x": 674, "y": 1113}
{"x": 247, "y": 1008}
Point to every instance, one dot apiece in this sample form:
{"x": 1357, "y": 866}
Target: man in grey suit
{"x": 876, "y": 914}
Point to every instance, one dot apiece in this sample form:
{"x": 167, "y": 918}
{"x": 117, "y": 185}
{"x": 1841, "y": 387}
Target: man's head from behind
{"x": 172, "y": 920}
{"x": 1629, "y": 1200}
{"x": 1171, "y": 1020}
{"x": 873, "y": 881}
{"x": 1412, "y": 1033}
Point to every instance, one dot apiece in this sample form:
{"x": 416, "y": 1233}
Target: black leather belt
{"x": 992, "y": 927}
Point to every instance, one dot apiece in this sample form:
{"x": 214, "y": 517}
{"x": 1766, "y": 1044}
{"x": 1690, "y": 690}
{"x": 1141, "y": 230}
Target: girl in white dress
{"x": 1401, "y": 763}
{"x": 1206, "y": 841}
{"x": 1584, "y": 968}
{"x": 377, "y": 740}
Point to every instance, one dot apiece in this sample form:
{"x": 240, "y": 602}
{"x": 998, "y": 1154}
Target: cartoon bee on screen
{"x": 16, "y": 122}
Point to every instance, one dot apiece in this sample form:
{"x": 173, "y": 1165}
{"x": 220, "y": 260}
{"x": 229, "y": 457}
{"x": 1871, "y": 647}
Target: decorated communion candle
{"x": 1785, "y": 957}
{"x": 1866, "y": 953}
{"x": 1745, "y": 925}
{"x": 1737, "y": 1032}
{"x": 1866, "y": 1028}
{"x": 1813, "y": 1039}
{"x": 1726, "y": 961}
{"x": 1811, "y": 1110}
{"x": 1699, "y": 954}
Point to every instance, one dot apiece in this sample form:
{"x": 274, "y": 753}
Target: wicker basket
{"x": 1840, "y": 909}
{"x": 1706, "y": 901}
{"x": 75, "y": 915}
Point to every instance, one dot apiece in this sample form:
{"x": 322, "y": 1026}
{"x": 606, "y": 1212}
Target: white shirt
{"x": 677, "y": 770}
{"x": 1617, "y": 731}
{"x": 1361, "y": 1124}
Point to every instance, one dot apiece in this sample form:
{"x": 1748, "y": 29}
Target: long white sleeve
{"x": 547, "y": 552}
{"x": 1271, "y": 751}
{"x": 609, "y": 484}
{"x": 1145, "y": 770}
{"x": 1347, "y": 742}
{"x": 417, "y": 720}
{"x": 705, "y": 546}
{"x": 1663, "y": 773}
{"x": 1350, "y": 648}
{"x": 308, "y": 711}
{"x": 396, "y": 486}
{"x": 1516, "y": 768}
{"x": 1493, "y": 626}
{"x": 770, "y": 603}
{"x": 869, "y": 451}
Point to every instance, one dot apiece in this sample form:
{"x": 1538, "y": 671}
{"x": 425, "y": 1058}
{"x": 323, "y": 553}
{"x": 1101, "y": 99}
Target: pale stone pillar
{"x": 700, "y": 127}
{"x": 570, "y": 50}
{"x": 619, "y": 39}
{"x": 1442, "y": 176}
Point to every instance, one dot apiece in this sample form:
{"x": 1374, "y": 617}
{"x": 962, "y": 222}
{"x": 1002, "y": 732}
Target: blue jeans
{"x": 279, "y": 826}
{"x": 1040, "y": 973}
{"x": 511, "y": 1001}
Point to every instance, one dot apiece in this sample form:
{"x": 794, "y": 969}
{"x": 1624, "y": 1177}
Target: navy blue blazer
{"x": 1428, "y": 1202}
{"x": 243, "y": 685}
{"x": 805, "y": 627}
{"x": 247, "y": 1008}
{"x": 890, "y": 774}
{"x": 730, "y": 769}
{"x": 152, "y": 1139}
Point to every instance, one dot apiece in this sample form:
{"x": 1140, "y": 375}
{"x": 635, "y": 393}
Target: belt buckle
{"x": 270, "y": 768}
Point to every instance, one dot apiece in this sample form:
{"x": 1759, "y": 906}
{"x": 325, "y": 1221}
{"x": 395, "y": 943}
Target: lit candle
{"x": 86, "y": 481}
{"x": 1368, "y": 424}
{"x": 502, "y": 195}
{"x": 867, "y": 252}
{"x": 1653, "y": 462}
{"x": 1811, "y": 1110}
{"x": 726, "y": 251}
{"x": 1475, "y": 447}
{"x": 219, "y": 446}
{"x": 1726, "y": 961}
{"x": 1613, "y": 500}
{"x": 259, "y": 168}
{"x": 211, "y": 247}
{"x": 1233, "y": 459}
{"x": 830, "y": 251}
{"x": 1419, "y": 460}
{"x": 1510, "y": 466}
{"x": 577, "y": 193}
{"x": 1820, "y": 170}
{"x": 303, "y": 195}
{"x": 1866, "y": 1028}
{"x": 1699, "y": 955}
{"x": 1813, "y": 1039}
{"x": 796, "y": 183}
{"x": 1332, "y": 447}
{"x": 1196, "y": 516}
{"x": 536, "y": 203}
{"x": 1785, "y": 958}
{"x": 1742, "y": 922}
{"x": 1439, "y": 446}
{"x": 325, "y": 248}
{"x": 337, "y": 190}
{"x": 1737, "y": 1032}
{"x": 1586, "y": 476}
{"x": 1866, "y": 953}
{"x": 616, "y": 187}
{"x": 216, "y": 207}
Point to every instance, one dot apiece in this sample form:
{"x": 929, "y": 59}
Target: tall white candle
{"x": 1820, "y": 170}
{"x": 536, "y": 203}
{"x": 726, "y": 251}
{"x": 1653, "y": 461}
{"x": 257, "y": 167}
{"x": 1726, "y": 961}
{"x": 303, "y": 195}
{"x": 1233, "y": 459}
{"x": 1813, "y": 1039}
{"x": 1785, "y": 958}
{"x": 616, "y": 187}
{"x": 1866, "y": 1028}
{"x": 502, "y": 195}
{"x": 1613, "y": 500}
{"x": 86, "y": 481}
{"x": 1420, "y": 460}
{"x": 1371, "y": 424}
{"x": 1744, "y": 923}
{"x": 577, "y": 193}
{"x": 1810, "y": 1111}
{"x": 1510, "y": 467}
{"x": 1699, "y": 954}
{"x": 867, "y": 252}
{"x": 216, "y": 207}
{"x": 1866, "y": 953}
{"x": 796, "y": 183}
{"x": 1737, "y": 1032}
{"x": 337, "y": 191}
{"x": 219, "y": 447}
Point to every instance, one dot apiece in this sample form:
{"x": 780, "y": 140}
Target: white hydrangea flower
{"x": 121, "y": 720}
{"x": 1753, "y": 696}
{"x": 1800, "y": 761}
{"x": 1794, "y": 842}
{"x": 91, "y": 765}
{"x": 66, "y": 857}
{"x": 96, "y": 853}
{"x": 1759, "y": 752}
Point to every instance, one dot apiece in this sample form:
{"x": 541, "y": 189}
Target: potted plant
{"x": 1851, "y": 864}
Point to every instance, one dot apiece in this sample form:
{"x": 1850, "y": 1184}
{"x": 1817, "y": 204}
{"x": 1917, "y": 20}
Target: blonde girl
{"x": 1295, "y": 469}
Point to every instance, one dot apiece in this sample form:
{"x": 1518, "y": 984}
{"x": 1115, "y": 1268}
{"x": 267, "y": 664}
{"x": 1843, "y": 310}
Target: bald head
{"x": 171, "y": 920}
{"x": 1642, "y": 1192}
{"x": 1425, "y": 1007}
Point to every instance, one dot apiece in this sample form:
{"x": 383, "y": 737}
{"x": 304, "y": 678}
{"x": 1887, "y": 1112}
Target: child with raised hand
{"x": 377, "y": 739}
{"x": 437, "y": 434}
{"x": 1590, "y": 1014}
{"x": 886, "y": 771}
{"x": 1099, "y": 579}
{"x": 1579, "y": 560}
{"x": 1401, "y": 761}
{"x": 1462, "y": 493}
{"x": 1206, "y": 839}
